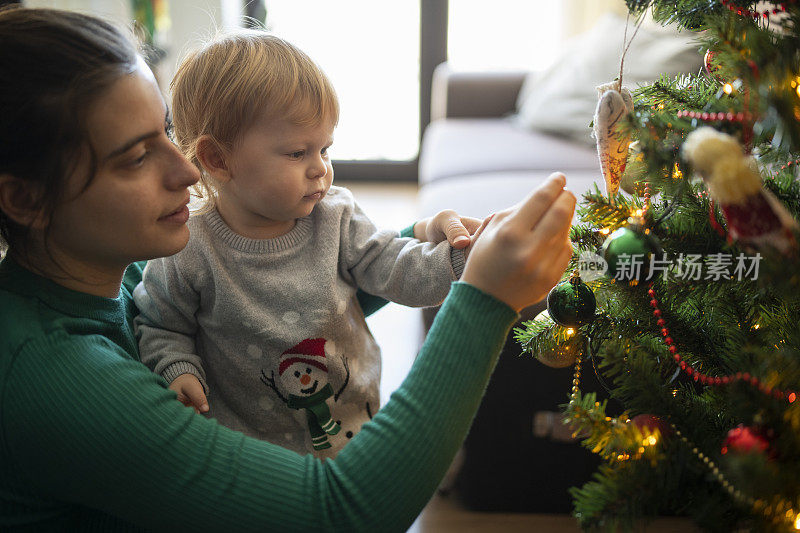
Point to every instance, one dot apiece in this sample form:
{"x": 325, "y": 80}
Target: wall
{"x": 581, "y": 15}
{"x": 191, "y": 22}
{"x": 117, "y": 10}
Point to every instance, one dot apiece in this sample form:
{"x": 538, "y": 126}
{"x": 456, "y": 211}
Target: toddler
{"x": 260, "y": 308}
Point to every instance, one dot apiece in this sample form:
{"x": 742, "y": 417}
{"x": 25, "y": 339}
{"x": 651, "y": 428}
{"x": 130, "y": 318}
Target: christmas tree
{"x": 684, "y": 292}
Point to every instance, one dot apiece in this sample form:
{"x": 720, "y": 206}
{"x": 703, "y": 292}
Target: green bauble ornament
{"x": 563, "y": 348}
{"x": 630, "y": 250}
{"x": 571, "y": 303}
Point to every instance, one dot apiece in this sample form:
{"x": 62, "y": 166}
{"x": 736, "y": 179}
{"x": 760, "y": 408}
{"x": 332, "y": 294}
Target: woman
{"x": 89, "y": 438}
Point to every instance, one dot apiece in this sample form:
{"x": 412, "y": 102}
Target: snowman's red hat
{"x": 308, "y": 351}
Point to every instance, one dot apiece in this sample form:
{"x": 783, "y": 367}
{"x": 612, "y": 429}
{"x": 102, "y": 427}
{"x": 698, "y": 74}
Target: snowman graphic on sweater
{"x": 304, "y": 376}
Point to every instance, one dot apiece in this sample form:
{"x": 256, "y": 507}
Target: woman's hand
{"x": 448, "y": 225}
{"x": 523, "y": 251}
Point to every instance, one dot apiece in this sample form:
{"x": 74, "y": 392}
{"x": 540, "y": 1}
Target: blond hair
{"x": 222, "y": 88}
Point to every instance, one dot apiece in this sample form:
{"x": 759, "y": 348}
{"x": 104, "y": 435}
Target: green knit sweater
{"x": 91, "y": 440}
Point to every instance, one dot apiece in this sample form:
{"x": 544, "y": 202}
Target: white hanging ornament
{"x": 614, "y": 103}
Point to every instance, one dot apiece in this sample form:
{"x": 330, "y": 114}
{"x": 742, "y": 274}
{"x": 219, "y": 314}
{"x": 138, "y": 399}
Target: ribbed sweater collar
{"x": 19, "y": 280}
{"x": 296, "y": 236}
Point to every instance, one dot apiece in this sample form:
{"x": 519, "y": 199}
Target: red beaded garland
{"x": 740, "y": 116}
{"x": 784, "y": 167}
{"x": 755, "y": 14}
{"x": 712, "y": 380}
{"x": 688, "y": 369}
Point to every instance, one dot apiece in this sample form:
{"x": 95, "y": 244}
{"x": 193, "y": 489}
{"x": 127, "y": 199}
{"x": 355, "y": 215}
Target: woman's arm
{"x": 97, "y": 429}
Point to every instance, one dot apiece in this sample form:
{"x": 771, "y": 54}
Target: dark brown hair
{"x": 54, "y": 64}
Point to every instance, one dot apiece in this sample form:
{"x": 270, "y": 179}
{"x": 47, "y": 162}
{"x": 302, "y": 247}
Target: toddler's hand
{"x": 476, "y": 234}
{"x": 190, "y": 392}
{"x": 447, "y": 225}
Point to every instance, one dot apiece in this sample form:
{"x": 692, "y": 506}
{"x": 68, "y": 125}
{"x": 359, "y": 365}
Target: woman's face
{"x": 135, "y": 206}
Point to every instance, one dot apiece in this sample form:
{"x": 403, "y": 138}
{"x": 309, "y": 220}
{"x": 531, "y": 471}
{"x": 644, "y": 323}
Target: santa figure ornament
{"x": 755, "y": 217}
{"x": 612, "y": 142}
{"x": 304, "y": 376}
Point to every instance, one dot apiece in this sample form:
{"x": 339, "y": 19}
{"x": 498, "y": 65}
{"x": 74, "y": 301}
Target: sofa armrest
{"x": 474, "y": 94}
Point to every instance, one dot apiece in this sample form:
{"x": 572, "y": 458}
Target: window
{"x": 370, "y": 50}
{"x": 503, "y": 34}
{"x": 379, "y": 55}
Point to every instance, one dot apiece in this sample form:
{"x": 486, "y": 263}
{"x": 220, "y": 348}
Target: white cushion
{"x": 562, "y": 99}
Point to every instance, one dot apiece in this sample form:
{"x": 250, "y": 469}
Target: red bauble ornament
{"x": 743, "y": 439}
{"x": 652, "y": 423}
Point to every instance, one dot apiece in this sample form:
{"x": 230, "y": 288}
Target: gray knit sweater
{"x": 273, "y": 329}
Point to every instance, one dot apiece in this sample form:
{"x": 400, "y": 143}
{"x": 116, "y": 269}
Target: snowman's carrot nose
{"x": 304, "y": 379}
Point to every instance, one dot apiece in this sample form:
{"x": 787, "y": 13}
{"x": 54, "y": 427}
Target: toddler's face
{"x": 280, "y": 171}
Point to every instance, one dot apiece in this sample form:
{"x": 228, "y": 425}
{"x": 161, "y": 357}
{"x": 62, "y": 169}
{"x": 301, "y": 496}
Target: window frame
{"x": 433, "y": 50}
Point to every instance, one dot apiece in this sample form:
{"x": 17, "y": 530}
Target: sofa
{"x": 475, "y": 159}
{"x": 493, "y": 138}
